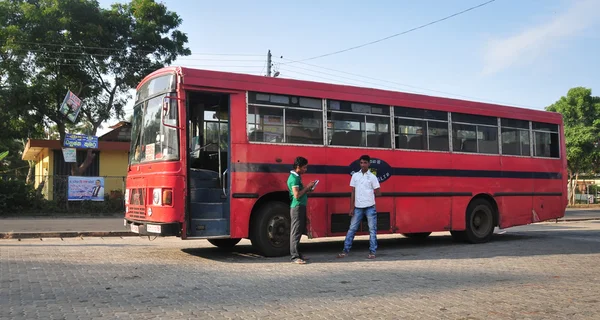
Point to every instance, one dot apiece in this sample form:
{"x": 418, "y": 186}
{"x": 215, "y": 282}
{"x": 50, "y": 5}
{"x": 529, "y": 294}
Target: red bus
{"x": 211, "y": 153}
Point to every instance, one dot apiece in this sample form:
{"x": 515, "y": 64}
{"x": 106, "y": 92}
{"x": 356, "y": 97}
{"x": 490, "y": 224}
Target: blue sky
{"x": 521, "y": 53}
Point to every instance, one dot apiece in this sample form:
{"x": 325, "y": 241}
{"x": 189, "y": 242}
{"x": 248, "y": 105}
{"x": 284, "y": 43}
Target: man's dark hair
{"x": 365, "y": 157}
{"x": 300, "y": 162}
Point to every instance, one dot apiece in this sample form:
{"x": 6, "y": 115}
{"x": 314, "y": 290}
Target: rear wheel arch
{"x": 492, "y": 202}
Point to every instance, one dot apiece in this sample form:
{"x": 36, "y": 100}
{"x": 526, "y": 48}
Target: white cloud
{"x": 537, "y": 40}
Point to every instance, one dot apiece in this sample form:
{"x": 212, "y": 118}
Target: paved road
{"x": 116, "y": 223}
{"x": 540, "y": 271}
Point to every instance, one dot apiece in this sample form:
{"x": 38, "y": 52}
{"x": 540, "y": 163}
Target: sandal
{"x": 371, "y": 256}
{"x": 299, "y": 261}
{"x": 342, "y": 255}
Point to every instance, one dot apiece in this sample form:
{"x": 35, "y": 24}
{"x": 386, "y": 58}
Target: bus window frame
{"x": 171, "y": 93}
{"x": 392, "y": 129}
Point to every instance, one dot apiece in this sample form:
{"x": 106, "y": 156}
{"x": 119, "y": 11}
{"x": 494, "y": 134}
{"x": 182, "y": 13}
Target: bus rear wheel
{"x": 480, "y": 221}
{"x": 224, "y": 243}
{"x": 417, "y": 235}
{"x": 270, "y": 233}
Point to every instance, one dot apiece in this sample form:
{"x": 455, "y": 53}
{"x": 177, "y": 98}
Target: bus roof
{"x": 199, "y": 78}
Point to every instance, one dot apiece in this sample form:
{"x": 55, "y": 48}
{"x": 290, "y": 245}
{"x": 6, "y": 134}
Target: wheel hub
{"x": 278, "y": 230}
{"x": 481, "y": 223}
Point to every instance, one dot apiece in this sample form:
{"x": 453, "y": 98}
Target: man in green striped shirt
{"x": 299, "y": 198}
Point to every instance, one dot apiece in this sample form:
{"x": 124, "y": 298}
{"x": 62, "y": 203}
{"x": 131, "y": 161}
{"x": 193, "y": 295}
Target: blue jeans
{"x": 359, "y": 213}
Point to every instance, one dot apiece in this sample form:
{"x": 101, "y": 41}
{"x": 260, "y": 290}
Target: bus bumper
{"x": 153, "y": 228}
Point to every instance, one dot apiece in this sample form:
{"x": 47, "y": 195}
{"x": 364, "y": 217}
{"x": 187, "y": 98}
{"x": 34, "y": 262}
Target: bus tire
{"x": 270, "y": 233}
{"x": 417, "y": 235}
{"x": 224, "y": 243}
{"x": 480, "y": 221}
{"x": 458, "y": 236}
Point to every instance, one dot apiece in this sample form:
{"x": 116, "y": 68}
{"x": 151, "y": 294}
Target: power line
{"x": 75, "y": 60}
{"x": 120, "y": 50}
{"x": 397, "y": 34}
{"x": 421, "y": 89}
{"x": 324, "y": 78}
{"x": 82, "y": 57}
{"x": 361, "y": 81}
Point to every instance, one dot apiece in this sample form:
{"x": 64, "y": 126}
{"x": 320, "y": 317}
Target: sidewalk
{"x": 62, "y": 227}
{"x": 67, "y": 227}
{"x": 581, "y": 214}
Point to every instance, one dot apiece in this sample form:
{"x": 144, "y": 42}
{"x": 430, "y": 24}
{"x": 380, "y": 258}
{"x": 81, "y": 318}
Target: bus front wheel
{"x": 224, "y": 243}
{"x": 271, "y": 229}
{"x": 480, "y": 221}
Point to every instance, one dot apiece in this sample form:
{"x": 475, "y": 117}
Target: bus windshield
{"x": 151, "y": 140}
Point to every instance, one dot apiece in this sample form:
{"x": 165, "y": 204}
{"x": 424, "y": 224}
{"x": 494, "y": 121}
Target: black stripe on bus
{"x": 527, "y": 194}
{"x": 427, "y": 172}
{"x": 393, "y": 194}
{"x": 245, "y": 195}
{"x": 411, "y": 194}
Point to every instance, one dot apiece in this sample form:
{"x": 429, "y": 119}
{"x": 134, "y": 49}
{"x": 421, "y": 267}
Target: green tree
{"x": 98, "y": 54}
{"x": 581, "y": 117}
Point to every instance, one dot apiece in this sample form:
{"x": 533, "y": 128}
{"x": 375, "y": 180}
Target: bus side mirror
{"x": 166, "y": 107}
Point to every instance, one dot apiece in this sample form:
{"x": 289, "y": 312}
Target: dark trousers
{"x": 298, "y": 225}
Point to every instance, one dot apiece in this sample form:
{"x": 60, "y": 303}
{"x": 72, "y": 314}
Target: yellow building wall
{"x": 44, "y": 171}
{"x": 113, "y": 167}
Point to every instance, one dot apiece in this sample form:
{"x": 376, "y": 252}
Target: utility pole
{"x": 269, "y": 64}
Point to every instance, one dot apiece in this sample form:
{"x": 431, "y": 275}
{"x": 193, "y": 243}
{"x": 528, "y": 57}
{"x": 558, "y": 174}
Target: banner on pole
{"x": 82, "y": 141}
{"x": 70, "y": 106}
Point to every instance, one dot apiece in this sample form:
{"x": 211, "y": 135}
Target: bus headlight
{"x": 156, "y": 197}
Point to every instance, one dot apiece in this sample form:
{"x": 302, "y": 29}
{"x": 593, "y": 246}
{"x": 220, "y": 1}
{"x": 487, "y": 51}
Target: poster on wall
{"x": 86, "y": 188}
{"x": 70, "y": 154}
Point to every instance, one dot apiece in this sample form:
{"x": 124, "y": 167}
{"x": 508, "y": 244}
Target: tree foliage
{"x": 581, "y": 117}
{"x": 51, "y": 46}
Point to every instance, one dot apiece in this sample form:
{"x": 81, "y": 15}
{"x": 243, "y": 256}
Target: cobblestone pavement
{"x": 545, "y": 271}
{"x": 114, "y": 223}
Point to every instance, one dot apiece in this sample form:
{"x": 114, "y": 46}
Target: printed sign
{"x": 86, "y": 188}
{"x": 70, "y": 154}
{"x": 150, "y": 152}
{"x": 378, "y": 167}
{"x": 70, "y": 106}
{"x": 73, "y": 140}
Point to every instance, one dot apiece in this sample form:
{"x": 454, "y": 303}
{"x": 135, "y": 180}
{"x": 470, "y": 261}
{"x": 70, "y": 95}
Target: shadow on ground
{"x": 557, "y": 240}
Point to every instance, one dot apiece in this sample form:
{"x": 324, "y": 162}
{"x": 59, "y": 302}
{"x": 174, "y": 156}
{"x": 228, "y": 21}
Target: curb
{"x": 576, "y": 219}
{"x": 80, "y": 234}
{"x": 67, "y": 234}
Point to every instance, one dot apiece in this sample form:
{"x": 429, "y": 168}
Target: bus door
{"x": 209, "y": 157}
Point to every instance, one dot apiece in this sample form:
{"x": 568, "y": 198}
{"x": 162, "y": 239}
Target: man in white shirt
{"x": 365, "y": 186}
